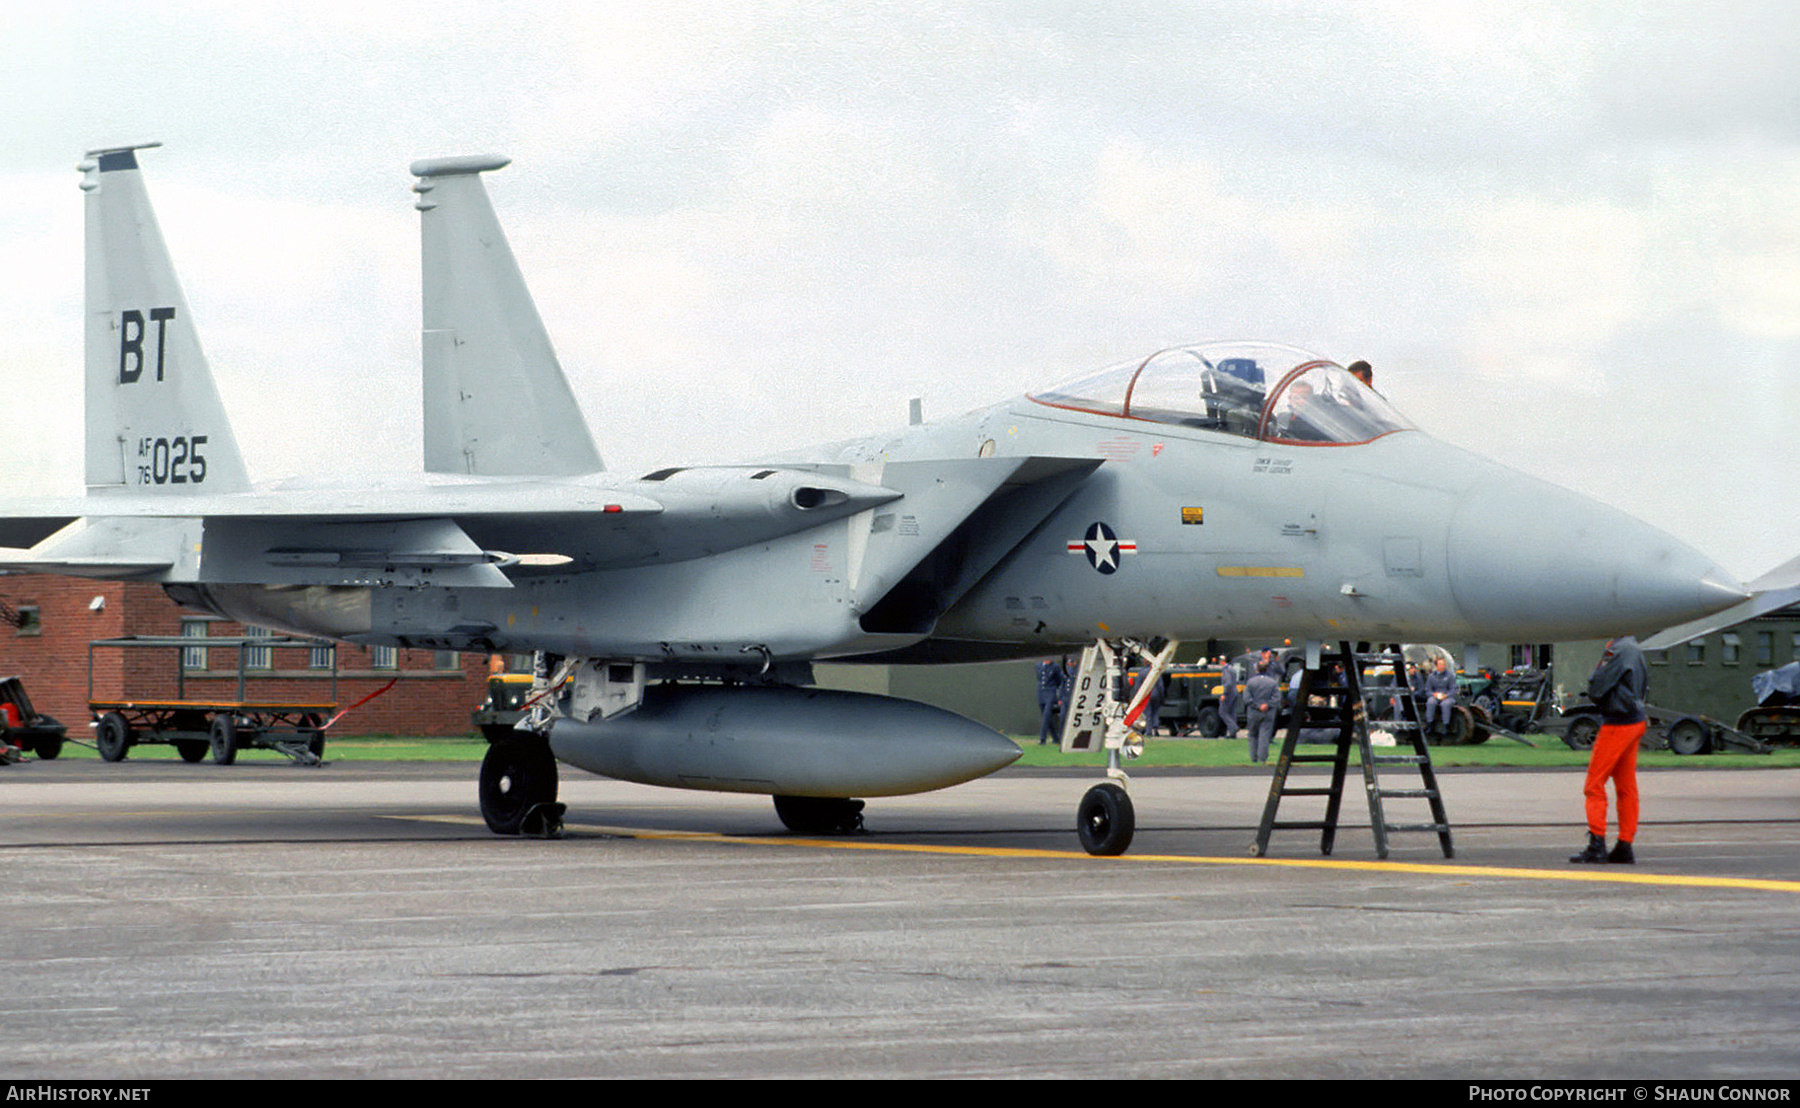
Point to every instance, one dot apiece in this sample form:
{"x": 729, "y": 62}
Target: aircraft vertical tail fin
{"x": 496, "y": 400}
{"x": 155, "y": 423}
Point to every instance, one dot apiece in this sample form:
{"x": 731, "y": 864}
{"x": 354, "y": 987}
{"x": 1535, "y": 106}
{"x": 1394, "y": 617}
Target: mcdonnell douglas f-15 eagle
{"x": 1222, "y": 490}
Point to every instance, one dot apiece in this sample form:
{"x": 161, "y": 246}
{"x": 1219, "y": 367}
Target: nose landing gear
{"x": 1102, "y": 714}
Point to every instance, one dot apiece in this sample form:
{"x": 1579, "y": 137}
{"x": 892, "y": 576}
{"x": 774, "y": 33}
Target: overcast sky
{"x": 1566, "y": 234}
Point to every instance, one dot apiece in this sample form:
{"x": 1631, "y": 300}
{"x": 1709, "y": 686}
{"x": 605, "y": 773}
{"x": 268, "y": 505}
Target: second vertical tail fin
{"x": 496, "y": 400}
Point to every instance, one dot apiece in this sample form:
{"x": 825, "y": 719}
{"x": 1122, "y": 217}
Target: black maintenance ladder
{"x": 1338, "y": 682}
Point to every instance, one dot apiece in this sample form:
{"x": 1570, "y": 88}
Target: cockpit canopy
{"x": 1256, "y": 390}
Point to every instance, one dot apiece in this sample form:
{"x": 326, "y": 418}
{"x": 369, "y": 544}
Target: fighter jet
{"x": 1223, "y": 490}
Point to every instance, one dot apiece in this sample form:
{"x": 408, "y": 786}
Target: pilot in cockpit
{"x": 1301, "y": 421}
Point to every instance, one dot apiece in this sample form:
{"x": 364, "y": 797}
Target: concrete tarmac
{"x": 163, "y": 920}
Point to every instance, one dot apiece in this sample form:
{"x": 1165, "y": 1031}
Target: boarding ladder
{"x": 1343, "y": 706}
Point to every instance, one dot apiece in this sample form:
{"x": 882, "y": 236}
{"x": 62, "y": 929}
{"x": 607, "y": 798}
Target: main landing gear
{"x": 819, "y": 815}
{"x": 518, "y": 775}
{"x": 518, "y": 787}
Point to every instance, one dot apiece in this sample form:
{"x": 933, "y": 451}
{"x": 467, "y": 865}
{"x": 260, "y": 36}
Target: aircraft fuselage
{"x": 1177, "y": 532}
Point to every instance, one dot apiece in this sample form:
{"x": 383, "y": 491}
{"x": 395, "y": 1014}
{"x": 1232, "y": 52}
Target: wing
{"x": 1771, "y": 592}
{"x": 462, "y": 534}
{"x": 919, "y": 540}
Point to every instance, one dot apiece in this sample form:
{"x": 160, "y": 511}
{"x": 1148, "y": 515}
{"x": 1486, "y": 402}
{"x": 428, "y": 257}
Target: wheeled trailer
{"x": 196, "y": 727}
{"x": 1677, "y": 732}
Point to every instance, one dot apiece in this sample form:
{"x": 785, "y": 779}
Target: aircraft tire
{"x": 113, "y": 737}
{"x": 192, "y": 750}
{"x": 1105, "y": 821}
{"x": 223, "y": 738}
{"x": 47, "y": 749}
{"x": 819, "y": 815}
{"x": 516, "y": 776}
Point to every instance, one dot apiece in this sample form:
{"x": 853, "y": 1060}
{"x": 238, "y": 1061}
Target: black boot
{"x": 1595, "y": 852}
{"x": 1621, "y": 854}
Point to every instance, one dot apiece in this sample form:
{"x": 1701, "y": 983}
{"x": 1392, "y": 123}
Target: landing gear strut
{"x": 518, "y": 788}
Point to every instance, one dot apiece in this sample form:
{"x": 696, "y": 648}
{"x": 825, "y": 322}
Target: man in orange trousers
{"x": 1617, "y": 688}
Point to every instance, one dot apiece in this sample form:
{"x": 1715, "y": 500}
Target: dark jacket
{"x": 1619, "y": 682}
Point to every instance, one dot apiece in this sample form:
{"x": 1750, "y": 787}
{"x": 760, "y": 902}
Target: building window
{"x": 259, "y": 657}
{"x": 1765, "y": 648}
{"x": 1696, "y": 652}
{"x": 1795, "y": 646}
{"x": 384, "y": 657}
{"x": 30, "y": 620}
{"x": 446, "y": 659}
{"x": 1659, "y": 657}
{"x": 1730, "y": 647}
{"x": 321, "y": 656}
{"x": 193, "y": 658}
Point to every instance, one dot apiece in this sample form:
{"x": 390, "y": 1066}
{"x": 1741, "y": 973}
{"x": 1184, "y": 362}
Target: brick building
{"x": 433, "y": 691}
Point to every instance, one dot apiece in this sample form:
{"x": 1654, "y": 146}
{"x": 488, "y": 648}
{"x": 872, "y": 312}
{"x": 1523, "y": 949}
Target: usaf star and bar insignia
{"x": 1104, "y": 549}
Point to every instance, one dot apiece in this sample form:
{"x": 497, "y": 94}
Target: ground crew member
{"x": 1262, "y": 696}
{"x": 1151, "y": 717}
{"x": 1052, "y": 687}
{"x": 1617, "y": 688}
{"x": 1439, "y": 691}
{"x": 1229, "y": 709}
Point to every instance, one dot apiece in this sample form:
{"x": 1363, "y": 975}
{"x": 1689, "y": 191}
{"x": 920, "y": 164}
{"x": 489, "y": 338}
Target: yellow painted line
{"x": 1591, "y": 875}
{"x": 1261, "y": 571}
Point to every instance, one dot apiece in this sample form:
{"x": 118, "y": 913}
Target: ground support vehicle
{"x": 1776, "y": 717}
{"x": 1679, "y": 732}
{"x": 1522, "y": 698}
{"x": 1191, "y": 701}
{"x": 1514, "y": 704}
{"x": 221, "y": 727}
{"x": 1468, "y": 720}
{"x": 1480, "y": 691}
{"x": 23, "y": 728}
{"x": 504, "y": 705}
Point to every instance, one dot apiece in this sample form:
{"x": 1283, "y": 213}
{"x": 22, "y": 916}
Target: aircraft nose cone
{"x": 1548, "y": 564}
